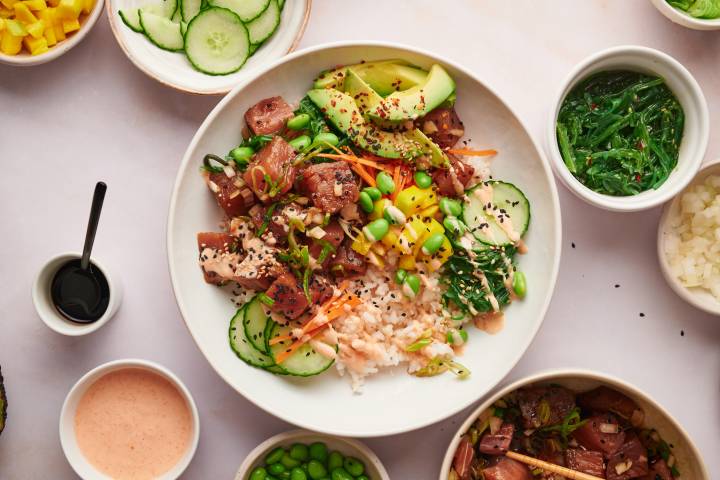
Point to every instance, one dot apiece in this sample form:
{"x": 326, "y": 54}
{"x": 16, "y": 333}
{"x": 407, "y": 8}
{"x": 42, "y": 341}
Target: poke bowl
{"x": 587, "y": 421}
{"x": 388, "y": 337}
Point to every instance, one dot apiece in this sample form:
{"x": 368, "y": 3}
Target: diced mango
{"x": 69, "y": 9}
{"x": 8, "y": 4}
{"x": 35, "y": 4}
{"x": 70, "y": 25}
{"x": 2, "y": 24}
{"x": 361, "y": 245}
{"x": 49, "y": 35}
{"x": 10, "y": 44}
{"x": 430, "y": 211}
{"x": 379, "y": 208}
{"x": 407, "y": 262}
{"x": 57, "y": 24}
{"x": 23, "y": 13}
{"x": 35, "y": 46}
{"x": 6, "y": 12}
{"x": 88, "y": 6}
{"x": 53, "y": 3}
{"x": 36, "y": 29}
{"x": 15, "y": 28}
{"x": 391, "y": 238}
{"x": 413, "y": 199}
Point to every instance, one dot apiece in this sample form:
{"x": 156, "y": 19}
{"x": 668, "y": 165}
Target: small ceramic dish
{"x": 47, "y": 311}
{"x": 374, "y": 469}
{"x": 695, "y": 135}
{"x": 174, "y": 70}
{"x": 682, "y": 18}
{"x": 87, "y": 22}
{"x": 68, "y": 439}
{"x": 689, "y": 460}
{"x": 699, "y": 297}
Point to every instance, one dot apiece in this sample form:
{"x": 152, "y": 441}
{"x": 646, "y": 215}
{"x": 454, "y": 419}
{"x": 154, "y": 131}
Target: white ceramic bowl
{"x": 682, "y": 18}
{"x": 695, "y": 137}
{"x": 47, "y": 311}
{"x": 698, "y": 297}
{"x": 67, "y": 417}
{"x": 326, "y": 403}
{"x": 174, "y": 69}
{"x": 690, "y": 462}
{"x": 374, "y": 469}
{"x": 24, "y": 59}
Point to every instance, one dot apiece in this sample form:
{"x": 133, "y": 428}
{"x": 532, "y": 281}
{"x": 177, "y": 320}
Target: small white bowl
{"x": 699, "y": 297}
{"x": 47, "y": 311}
{"x": 67, "y": 417}
{"x": 87, "y": 22}
{"x": 689, "y": 460}
{"x": 374, "y": 469}
{"x": 175, "y": 71}
{"x": 682, "y": 18}
{"x": 695, "y": 135}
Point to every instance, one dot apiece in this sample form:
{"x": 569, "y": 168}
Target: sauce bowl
{"x": 68, "y": 439}
{"x": 695, "y": 136}
{"x": 689, "y": 460}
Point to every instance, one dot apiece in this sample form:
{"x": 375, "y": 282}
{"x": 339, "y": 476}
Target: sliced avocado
{"x": 418, "y": 100}
{"x": 335, "y": 78}
{"x": 343, "y": 112}
{"x": 387, "y": 78}
{"x": 437, "y": 156}
{"x": 365, "y": 97}
{"x": 3, "y": 403}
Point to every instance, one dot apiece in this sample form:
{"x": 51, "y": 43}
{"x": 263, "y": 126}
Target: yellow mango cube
{"x": 23, "y": 13}
{"x": 49, "y": 35}
{"x": 6, "y": 12}
{"x": 10, "y": 44}
{"x": 15, "y": 28}
{"x": 37, "y": 29}
{"x": 9, "y": 4}
{"x": 407, "y": 262}
{"x": 70, "y": 25}
{"x": 361, "y": 245}
{"x": 379, "y": 208}
{"x": 35, "y": 46}
{"x": 69, "y": 9}
{"x": 88, "y": 6}
{"x": 53, "y": 3}
{"x": 391, "y": 238}
{"x": 435, "y": 261}
{"x": 2, "y": 24}
{"x": 413, "y": 199}
{"x": 35, "y": 5}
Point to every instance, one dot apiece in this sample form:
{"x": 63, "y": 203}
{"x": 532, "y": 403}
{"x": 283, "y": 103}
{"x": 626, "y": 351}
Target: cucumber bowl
{"x": 206, "y": 48}
{"x": 326, "y": 402}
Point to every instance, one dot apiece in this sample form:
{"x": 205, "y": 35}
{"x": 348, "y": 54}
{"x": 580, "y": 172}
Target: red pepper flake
{"x": 593, "y": 106}
{"x": 638, "y": 178}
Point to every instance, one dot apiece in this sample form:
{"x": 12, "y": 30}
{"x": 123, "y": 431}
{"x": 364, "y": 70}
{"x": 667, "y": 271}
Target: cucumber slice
{"x": 265, "y": 25}
{"x": 255, "y": 323}
{"x": 131, "y": 18}
{"x": 305, "y": 362}
{"x": 162, "y": 31}
{"x": 507, "y": 200}
{"x": 242, "y": 346}
{"x": 253, "y": 49}
{"x": 189, "y": 9}
{"x": 247, "y": 10}
{"x": 183, "y": 28}
{"x": 217, "y": 42}
{"x": 281, "y": 4}
{"x": 177, "y": 17}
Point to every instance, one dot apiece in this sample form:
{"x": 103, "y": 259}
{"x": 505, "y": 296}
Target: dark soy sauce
{"x": 79, "y": 295}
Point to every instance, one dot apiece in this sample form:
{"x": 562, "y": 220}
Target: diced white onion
{"x": 317, "y": 232}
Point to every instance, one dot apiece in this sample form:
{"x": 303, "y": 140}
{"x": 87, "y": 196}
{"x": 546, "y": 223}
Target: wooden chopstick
{"x": 551, "y": 467}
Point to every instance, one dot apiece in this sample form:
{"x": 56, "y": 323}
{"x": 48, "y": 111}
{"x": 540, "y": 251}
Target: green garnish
{"x": 441, "y": 364}
{"x": 570, "y": 423}
{"x": 266, "y": 299}
{"x": 705, "y": 9}
{"x": 619, "y": 132}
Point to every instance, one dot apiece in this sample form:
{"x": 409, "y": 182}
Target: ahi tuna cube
{"x": 541, "y": 406}
{"x": 271, "y": 173}
{"x": 630, "y": 461}
{"x": 507, "y": 469}
{"x": 585, "y": 461}
{"x": 331, "y": 186}
{"x": 499, "y": 442}
{"x": 268, "y": 116}
{"x": 601, "y": 433}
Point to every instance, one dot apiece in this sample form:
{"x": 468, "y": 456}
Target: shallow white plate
{"x": 174, "y": 70}
{"x": 392, "y": 402}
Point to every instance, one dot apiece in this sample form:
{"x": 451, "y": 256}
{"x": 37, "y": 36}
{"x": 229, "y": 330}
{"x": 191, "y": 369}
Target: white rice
{"x": 693, "y": 246}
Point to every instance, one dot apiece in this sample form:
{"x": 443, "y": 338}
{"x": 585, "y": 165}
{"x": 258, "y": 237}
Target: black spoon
{"x": 79, "y": 289}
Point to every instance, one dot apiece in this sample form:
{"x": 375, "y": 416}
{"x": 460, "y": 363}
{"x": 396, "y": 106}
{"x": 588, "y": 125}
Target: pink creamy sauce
{"x": 133, "y": 424}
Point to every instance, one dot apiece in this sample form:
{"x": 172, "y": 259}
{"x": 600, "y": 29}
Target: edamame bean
{"x": 450, "y": 207}
{"x": 297, "y": 474}
{"x": 288, "y": 461}
{"x": 300, "y": 143}
{"x": 270, "y": 477}
{"x": 340, "y": 474}
{"x": 276, "y": 468}
{"x": 422, "y": 179}
{"x": 376, "y": 230}
{"x": 411, "y": 285}
{"x": 299, "y": 452}
{"x": 354, "y": 466}
{"x": 298, "y": 122}
{"x": 241, "y": 154}
{"x": 433, "y": 243}
{"x": 316, "y": 470}
{"x": 275, "y": 456}
{"x": 258, "y": 474}
{"x": 520, "y": 284}
{"x": 284, "y": 475}
{"x": 335, "y": 460}
{"x": 362, "y": 477}
{"x": 374, "y": 193}
{"x": 324, "y": 138}
{"x": 394, "y": 215}
{"x": 365, "y": 202}
{"x": 453, "y": 225}
{"x": 385, "y": 183}
{"x": 400, "y": 275}
{"x": 318, "y": 451}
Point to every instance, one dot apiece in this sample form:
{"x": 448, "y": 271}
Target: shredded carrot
{"x": 399, "y": 179}
{"x": 360, "y": 170}
{"x": 472, "y": 153}
{"x": 285, "y": 354}
{"x": 353, "y": 159}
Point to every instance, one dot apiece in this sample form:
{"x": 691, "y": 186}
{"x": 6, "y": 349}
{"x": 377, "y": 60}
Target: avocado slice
{"x": 3, "y": 403}
{"x": 365, "y": 97}
{"x": 437, "y": 156}
{"x": 418, "y": 100}
{"x": 384, "y": 76}
{"x": 342, "y": 111}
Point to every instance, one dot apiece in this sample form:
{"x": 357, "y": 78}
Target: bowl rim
{"x": 66, "y": 437}
{"x": 709, "y": 306}
{"x": 550, "y": 374}
{"x": 552, "y": 277}
{"x": 629, "y": 203}
{"x": 220, "y": 91}
{"x": 681, "y": 18}
{"x": 368, "y": 456}
{"x": 61, "y": 48}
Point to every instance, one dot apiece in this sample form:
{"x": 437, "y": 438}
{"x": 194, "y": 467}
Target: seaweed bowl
{"x": 695, "y": 131}
{"x": 688, "y": 459}
{"x": 681, "y": 18}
